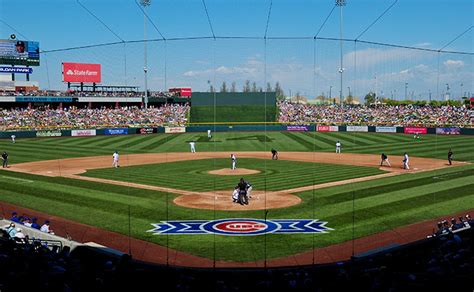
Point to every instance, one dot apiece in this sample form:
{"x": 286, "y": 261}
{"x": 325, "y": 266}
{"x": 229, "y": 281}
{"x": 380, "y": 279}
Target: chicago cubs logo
{"x": 240, "y": 227}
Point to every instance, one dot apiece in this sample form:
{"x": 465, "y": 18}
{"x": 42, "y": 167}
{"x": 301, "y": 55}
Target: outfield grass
{"x": 432, "y": 146}
{"x": 361, "y": 209}
{"x": 275, "y": 175}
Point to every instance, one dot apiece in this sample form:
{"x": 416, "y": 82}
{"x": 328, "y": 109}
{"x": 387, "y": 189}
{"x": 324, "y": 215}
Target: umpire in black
{"x": 450, "y": 157}
{"x": 243, "y": 192}
{"x": 5, "y": 159}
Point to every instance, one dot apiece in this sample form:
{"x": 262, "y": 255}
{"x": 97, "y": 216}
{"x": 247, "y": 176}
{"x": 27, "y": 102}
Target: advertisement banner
{"x": 386, "y": 129}
{"x": 357, "y": 128}
{"x": 172, "y": 130}
{"x": 146, "y": 130}
{"x": 83, "y": 133}
{"x": 80, "y": 72}
{"x": 415, "y": 130}
{"x": 324, "y": 128}
{"x": 20, "y": 70}
{"x": 53, "y": 133}
{"x": 43, "y": 99}
{"x": 297, "y": 128}
{"x": 116, "y": 131}
{"x": 448, "y": 131}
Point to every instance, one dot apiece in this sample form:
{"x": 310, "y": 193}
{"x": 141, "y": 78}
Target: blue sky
{"x": 422, "y": 23}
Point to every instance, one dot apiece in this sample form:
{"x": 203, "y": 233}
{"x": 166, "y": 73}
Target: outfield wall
{"x": 235, "y": 128}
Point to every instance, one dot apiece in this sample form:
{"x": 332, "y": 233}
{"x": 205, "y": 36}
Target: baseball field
{"x": 159, "y": 180}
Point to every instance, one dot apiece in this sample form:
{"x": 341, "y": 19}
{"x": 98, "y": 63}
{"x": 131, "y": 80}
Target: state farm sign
{"x": 80, "y": 72}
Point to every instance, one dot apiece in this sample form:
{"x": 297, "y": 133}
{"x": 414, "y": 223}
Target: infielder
{"x": 13, "y": 138}
{"x": 274, "y": 154}
{"x": 405, "y": 161}
{"x": 338, "y": 147}
{"x": 5, "y": 159}
{"x": 234, "y": 161}
{"x": 384, "y": 158}
{"x": 209, "y": 134}
{"x": 450, "y": 157}
{"x": 115, "y": 157}
{"x": 193, "y": 146}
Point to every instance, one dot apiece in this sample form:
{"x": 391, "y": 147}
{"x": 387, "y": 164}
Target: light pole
{"x": 447, "y": 92}
{"x": 429, "y": 94}
{"x": 462, "y": 95}
{"x": 330, "y": 96}
{"x": 406, "y": 88}
{"x": 145, "y": 4}
{"x": 340, "y": 3}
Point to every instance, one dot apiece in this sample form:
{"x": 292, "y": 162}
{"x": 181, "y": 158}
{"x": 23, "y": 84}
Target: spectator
{"x": 11, "y": 230}
{"x": 34, "y": 223}
{"x": 15, "y": 218}
{"x": 45, "y": 227}
{"x": 20, "y": 235}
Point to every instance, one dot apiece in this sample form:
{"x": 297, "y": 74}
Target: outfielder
{"x": 13, "y": 138}
{"x": 193, "y": 146}
{"x": 115, "y": 157}
{"x": 405, "y": 161}
{"x": 338, "y": 147}
{"x": 209, "y": 134}
{"x": 234, "y": 161}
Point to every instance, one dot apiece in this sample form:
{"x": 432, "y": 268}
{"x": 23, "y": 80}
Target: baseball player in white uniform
{"x": 13, "y": 138}
{"x": 249, "y": 190}
{"x": 338, "y": 147}
{"x": 115, "y": 157}
{"x": 209, "y": 134}
{"x": 233, "y": 158}
{"x": 235, "y": 195}
{"x": 193, "y": 146}
{"x": 405, "y": 161}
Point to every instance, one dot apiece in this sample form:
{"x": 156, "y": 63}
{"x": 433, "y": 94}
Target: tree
{"x": 246, "y": 86}
{"x": 233, "y": 87}
{"x": 280, "y": 95}
{"x": 223, "y": 87}
{"x": 254, "y": 87}
{"x": 321, "y": 98}
{"x": 349, "y": 99}
{"x": 369, "y": 98}
{"x": 269, "y": 87}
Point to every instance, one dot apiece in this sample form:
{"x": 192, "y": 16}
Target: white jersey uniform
{"x": 234, "y": 161}
{"x": 209, "y": 134}
{"x": 193, "y": 146}
{"x": 13, "y": 138}
{"x": 115, "y": 157}
{"x": 338, "y": 147}
{"x": 405, "y": 162}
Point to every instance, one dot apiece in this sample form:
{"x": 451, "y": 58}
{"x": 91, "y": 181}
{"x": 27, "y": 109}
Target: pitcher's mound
{"x": 238, "y": 171}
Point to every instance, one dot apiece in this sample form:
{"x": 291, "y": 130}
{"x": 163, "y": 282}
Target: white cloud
{"x": 453, "y": 63}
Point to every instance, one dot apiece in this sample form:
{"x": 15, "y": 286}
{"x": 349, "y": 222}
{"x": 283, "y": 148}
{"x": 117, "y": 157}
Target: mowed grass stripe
{"x": 324, "y": 138}
{"x": 378, "y": 190}
{"x": 321, "y": 143}
{"x": 305, "y": 143}
{"x": 165, "y": 139}
{"x": 110, "y": 140}
{"x": 410, "y": 203}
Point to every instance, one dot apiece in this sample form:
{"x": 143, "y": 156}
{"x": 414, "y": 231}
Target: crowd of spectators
{"x": 73, "y": 117}
{"x": 447, "y": 226}
{"x": 75, "y": 93}
{"x": 379, "y": 115}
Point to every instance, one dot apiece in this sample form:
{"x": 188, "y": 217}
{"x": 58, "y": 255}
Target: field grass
{"x": 233, "y": 113}
{"x": 357, "y": 209}
{"x": 192, "y": 175}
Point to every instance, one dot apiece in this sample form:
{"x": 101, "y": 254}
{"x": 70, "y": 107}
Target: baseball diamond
{"x": 161, "y": 181}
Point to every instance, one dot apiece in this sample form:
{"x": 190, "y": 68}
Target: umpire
{"x": 5, "y": 159}
{"x": 243, "y": 192}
